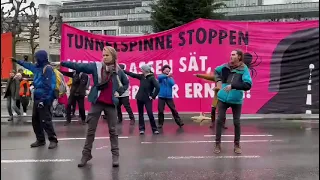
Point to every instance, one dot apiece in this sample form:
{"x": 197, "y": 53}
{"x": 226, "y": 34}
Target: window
{"x": 110, "y": 32}
{"x": 96, "y": 31}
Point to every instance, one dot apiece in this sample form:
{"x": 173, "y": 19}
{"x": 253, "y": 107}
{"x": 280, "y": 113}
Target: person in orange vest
{"x": 24, "y": 93}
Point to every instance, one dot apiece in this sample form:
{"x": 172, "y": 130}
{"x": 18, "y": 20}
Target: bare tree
{"x": 11, "y": 19}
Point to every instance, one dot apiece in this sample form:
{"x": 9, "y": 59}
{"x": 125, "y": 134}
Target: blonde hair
{"x": 114, "y": 55}
{"x": 113, "y": 52}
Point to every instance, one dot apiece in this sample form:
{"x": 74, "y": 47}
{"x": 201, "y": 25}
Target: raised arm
{"x": 246, "y": 83}
{"x": 81, "y": 67}
{"x": 27, "y": 65}
{"x": 156, "y": 86}
{"x": 208, "y": 77}
{"x": 133, "y": 75}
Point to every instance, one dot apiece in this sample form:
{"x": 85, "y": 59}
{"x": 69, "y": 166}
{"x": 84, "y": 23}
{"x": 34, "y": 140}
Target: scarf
{"x": 107, "y": 71}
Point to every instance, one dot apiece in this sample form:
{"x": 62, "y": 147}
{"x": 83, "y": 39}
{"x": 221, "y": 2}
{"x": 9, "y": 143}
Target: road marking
{"x": 195, "y": 142}
{"x": 247, "y": 135}
{"x": 36, "y": 161}
{"x": 103, "y": 147}
{"x": 96, "y": 138}
{"x": 212, "y": 157}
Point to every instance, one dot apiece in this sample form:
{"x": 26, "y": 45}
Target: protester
{"x": 77, "y": 94}
{"x": 165, "y": 96}
{"x": 109, "y": 83}
{"x": 44, "y": 94}
{"x": 124, "y": 100}
{"x": 148, "y": 91}
{"x": 25, "y": 94}
{"x": 232, "y": 79}
{"x": 12, "y": 95}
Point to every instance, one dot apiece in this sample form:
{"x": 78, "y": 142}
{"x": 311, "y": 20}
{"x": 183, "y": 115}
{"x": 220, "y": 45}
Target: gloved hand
{"x": 40, "y": 105}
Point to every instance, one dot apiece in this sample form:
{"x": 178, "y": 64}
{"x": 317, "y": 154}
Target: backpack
{"x": 59, "y": 110}
{"x": 61, "y": 85}
{"x": 88, "y": 82}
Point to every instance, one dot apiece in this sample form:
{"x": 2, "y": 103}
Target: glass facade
{"x": 94, "y": 23}
{"x": 115, "y": 12}
{"x": 136, "y": 29}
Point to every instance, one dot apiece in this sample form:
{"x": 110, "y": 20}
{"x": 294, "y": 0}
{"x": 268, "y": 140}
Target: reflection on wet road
{"x": 272, "y": 149}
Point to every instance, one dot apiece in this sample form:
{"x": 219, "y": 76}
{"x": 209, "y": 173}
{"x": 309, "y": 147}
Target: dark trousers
{"x": 18, "y": 103}
{"x": 148, "y": 105}
{"x": 72, "y": 100}
{"x": 126, "y": 103}
{"x": 93, "y": 119}
{"x": 236, "y": 112}
{"x": 24, "y": 103}
{"x": 42, "y": 120}
{"x": 161, "y": 104}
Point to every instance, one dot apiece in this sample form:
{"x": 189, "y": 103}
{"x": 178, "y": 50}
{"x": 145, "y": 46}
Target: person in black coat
{"x": 148, "y": 91}
{"x": 77, "y": 94}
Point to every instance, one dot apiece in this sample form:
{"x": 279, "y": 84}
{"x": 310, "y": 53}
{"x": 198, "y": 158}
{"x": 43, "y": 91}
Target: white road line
{"x": 195, "y": 142}
{"x": 212, "y": 157}
{"x": 36, "y": 161}
{"x": 246, "y": 135}
{"x": 96, "y": 138}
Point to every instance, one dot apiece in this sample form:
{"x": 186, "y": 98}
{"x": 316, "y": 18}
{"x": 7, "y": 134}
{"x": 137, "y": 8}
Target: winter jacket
{"x": 12, "y": 89}
{"x": 95, "y": 69}
{"x": 44, "y": 82}
{"x": 78, "y": 83}
{"x": 166, "y": 84}
{"x": 239, "y": 79}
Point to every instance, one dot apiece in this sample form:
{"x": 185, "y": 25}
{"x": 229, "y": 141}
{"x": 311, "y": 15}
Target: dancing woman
{"x": 109, "y": 83}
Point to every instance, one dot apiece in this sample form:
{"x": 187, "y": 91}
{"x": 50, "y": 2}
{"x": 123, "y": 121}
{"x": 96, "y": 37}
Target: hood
{"x": 42, "y": 58}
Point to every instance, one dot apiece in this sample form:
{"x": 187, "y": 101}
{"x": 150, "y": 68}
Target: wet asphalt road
{"x": 272, "y": 150}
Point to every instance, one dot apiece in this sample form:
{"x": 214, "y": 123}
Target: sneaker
{"x": 52, "y": 145}
{"x": 24, "y": 114}
{"x": 115, "y": 161}
{"x": 217, "y": 149}
{"x": 15, "y": 114}
{"x": 156, "y": 132}
{"x": 141, "y": 132}
{"x": 237, "y": 149}
{"x": 38, "y": 144}
{"x": 132, "y": 122}
{"x": 84, "y": 160}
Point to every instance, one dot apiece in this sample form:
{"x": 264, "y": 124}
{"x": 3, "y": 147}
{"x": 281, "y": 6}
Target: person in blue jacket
{"x": 44, "y": 82}
{"x": 110, "y": 82}
{"x": 165, "y": 97}
{"x": 232, "y": 79}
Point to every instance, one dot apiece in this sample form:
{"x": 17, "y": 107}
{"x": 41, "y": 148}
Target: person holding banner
{"x": 148, "y": 91}
{"x": 232, "y": 79}
{"x": 109, "y": 83}
{"x": 165, "y": 97}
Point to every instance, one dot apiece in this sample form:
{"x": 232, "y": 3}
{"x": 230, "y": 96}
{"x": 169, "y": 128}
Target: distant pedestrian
{"x": 12, "y": 95}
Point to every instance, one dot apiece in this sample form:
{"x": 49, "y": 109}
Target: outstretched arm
{"x": 81, "y": 67}
{"x": 27, "y": 65}
{"x": 206, "y": 77}
{"x": 133, "y": 75}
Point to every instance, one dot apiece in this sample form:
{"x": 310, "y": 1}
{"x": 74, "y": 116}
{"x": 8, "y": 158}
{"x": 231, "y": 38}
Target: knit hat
{"x": 146, "y": 68}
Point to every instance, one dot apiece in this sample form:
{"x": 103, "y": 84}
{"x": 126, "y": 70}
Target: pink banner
{"x": 275, "y": 48}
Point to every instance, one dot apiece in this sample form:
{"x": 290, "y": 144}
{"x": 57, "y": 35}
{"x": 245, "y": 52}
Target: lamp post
{"x": 44, "y": 32}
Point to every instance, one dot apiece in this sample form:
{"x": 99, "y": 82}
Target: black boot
{"x": 53, "y": 145}
{"x": 115, "y": 161}
{"x": 132, "y": 122}
{"x": 38, "y": 144}
{"x": 84, "y": 160}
